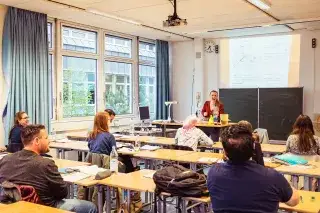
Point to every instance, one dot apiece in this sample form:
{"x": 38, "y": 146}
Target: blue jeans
{"x": 78, "y": 206}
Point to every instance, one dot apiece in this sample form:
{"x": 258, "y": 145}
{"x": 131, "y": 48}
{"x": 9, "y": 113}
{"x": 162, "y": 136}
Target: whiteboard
{"x": 260, "y": 61}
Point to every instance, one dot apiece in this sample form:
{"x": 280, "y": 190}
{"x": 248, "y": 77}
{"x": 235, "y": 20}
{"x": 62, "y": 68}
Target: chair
{"x": 263, "y": 135}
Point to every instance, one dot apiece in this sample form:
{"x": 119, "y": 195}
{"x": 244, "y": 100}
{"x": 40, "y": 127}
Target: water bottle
{"x": 137, "y": 144}
{"x": 215, "y": 118}
{"x": 211, "y": 120}
{"x": 114, "y": 160}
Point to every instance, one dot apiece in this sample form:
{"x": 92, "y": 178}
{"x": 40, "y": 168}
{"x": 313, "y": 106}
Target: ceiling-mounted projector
{"x": 174, "y": 20}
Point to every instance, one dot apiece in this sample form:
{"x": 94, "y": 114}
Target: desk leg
{"x": 183, "y": 206}
{"x": 295, "y": 181}
{"x": 307, "y": 185}
{"x": 128, "y": 200}
{"x": 164, "y": 204}
{"x": 108, "y": 199}
{"x": 193, "y": 166}
{"x": 58, "y": 153}
{"x": 63, "y": 154}
{"x": 100, "y": 200}
{"x": 83, "y": 155}
{"x": 71, "y": 191}
{"x": 164, "y": 130}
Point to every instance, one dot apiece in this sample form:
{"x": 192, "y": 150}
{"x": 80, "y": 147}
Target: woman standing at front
{"x": 21, "y": 120}
{"x": 212, "y": 107}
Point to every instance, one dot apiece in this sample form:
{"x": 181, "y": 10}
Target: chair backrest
{"x": 263, "y": 135}
{"x": 179, "y": 147}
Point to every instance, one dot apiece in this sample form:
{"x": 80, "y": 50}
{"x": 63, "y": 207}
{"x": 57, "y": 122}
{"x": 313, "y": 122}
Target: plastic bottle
{"x": 114, "y": 160}
{"x": 211, "y": 119}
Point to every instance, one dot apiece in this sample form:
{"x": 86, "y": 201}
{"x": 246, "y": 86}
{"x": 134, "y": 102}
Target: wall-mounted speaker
{"x": 216, "y": 49}
{"x": 314, "y": 43}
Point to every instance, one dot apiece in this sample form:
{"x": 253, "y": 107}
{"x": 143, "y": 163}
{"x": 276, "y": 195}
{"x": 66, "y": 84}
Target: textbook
{"x": 290, "y": 159}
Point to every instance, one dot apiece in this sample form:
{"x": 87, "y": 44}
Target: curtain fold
{"x": 163, "y": 81}
{"x": 25, "y": 66}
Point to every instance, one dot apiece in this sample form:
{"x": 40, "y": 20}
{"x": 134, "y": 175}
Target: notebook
{"x": 290, "y": 159}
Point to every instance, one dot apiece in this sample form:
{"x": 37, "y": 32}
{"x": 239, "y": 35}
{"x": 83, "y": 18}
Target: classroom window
{"x": 50, "y": 66}
{"x": 118, "y": 86}
{"x": 147, "y": 88}
{"x": 118, "y": 47}
{"x": 79, "y": 40}
{"x": 79, "y": 86}
{"x": 147, "y": 52}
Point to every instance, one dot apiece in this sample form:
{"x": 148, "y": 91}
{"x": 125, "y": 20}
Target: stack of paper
{"x": 76, "y": 176}
{"x": 89, "y": 170}
{"x": 150, "y": 148}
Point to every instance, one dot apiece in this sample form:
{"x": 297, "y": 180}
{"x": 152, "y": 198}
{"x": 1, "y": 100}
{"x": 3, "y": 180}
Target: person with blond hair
{"x": 189, "y": 135}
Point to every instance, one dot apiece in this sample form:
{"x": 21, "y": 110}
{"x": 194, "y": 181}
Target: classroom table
{"x": 308, "y": 172}
{"x": 63, "y": 163}
{"x": 203, "y": 125}
{"x": 134, "y": 181}
{"x": 27, "y": 207}
{"x": 309, "y": 203}
{"x": 266, "y": 148}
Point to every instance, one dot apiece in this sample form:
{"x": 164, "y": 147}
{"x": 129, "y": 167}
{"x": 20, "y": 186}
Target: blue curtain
{"x": 162, "y": 48}
{"x": 25, "y": 66}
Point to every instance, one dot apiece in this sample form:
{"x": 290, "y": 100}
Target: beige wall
{"x": 3, "y": 89}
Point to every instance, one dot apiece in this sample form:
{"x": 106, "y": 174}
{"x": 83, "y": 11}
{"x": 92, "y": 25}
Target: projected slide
{"x": 259, "y": 61}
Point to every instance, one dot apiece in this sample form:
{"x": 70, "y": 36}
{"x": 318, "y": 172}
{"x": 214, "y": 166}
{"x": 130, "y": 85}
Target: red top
{"x": 206, "y": 108}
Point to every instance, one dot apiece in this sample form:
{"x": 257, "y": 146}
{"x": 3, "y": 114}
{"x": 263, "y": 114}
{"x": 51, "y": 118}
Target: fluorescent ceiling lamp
{"x": 262, "y": 4}
{"x": 113, "y": 17}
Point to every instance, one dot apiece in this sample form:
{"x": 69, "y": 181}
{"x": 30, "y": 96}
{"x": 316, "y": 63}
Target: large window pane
{"x": 147, "y": 88}
{"x": 79, "y": 40}
{"x": 147, "y": 52}
{"x": 79, "y": 86}
{"x": 118, "y": 87}
{"x": 116, "y": 46}
{"x": 50, "y": 66}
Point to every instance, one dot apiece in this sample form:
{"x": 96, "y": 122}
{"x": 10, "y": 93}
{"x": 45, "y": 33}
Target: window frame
{"x": 58, "y": 52}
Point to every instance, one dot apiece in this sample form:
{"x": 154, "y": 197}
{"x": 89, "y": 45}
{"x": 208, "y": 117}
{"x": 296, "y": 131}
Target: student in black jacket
{"x": 257, "y": 152}
{"x": 21, "y": 120}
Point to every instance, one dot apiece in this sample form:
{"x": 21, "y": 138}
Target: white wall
{"x": 3, "y": 89}
{"x": 182, "y": 70}
{"x": 208, "y": 68}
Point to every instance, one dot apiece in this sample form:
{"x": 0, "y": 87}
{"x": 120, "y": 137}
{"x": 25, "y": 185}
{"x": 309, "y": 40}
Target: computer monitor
{"x": 144, "y": 113}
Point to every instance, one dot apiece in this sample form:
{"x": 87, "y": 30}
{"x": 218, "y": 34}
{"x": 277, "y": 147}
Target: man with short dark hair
{"x": 241, "y": 185}
{"x": 27, "y": 167}
{"x": 111, "y": 113}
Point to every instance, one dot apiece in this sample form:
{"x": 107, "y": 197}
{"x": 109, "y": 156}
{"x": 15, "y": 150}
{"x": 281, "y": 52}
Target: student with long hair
{"x": 302, "y": 140}
{"x": 21, "y": 120}
{"x": 101, "y": 140}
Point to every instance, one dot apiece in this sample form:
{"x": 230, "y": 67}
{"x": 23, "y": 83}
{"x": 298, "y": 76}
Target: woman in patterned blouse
{"x": 189, "y": 135}
{"x": 302, "y": 140}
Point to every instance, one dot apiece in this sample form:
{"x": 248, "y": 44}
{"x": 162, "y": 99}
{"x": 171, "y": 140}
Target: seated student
{"x": 21, "y": 120}
{"x": 189, "y": 135}
{"x": 27, "y": 167}
{"x": 257, "y": 152}
{"x": 111, "y": 113}
{"x": 240, "y": 185}
{"x": 101, "y": 141}
{"x": 302, "y": 140}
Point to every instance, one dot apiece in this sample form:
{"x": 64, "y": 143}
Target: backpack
{"x": 179, "y": 181}
{"x": 11, "y": 193}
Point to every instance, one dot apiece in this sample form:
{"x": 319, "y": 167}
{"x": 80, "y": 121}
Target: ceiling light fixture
{"x": 262, "y": 4}
{"x": 93, "y": 11}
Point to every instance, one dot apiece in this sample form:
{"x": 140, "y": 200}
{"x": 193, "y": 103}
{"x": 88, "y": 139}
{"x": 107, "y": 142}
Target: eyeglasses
{"x": 25, "y": 118}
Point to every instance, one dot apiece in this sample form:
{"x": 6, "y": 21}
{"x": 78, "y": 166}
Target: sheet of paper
{"x": 150, "y": 148}
{"x": 149, "y": 175}
{"x": 268, "y": 160}
{"x": 76, "y": 176}
{"x": 90, "y": 170}
{"x": 64, "y": 140}
{"x": 204, "y": 160}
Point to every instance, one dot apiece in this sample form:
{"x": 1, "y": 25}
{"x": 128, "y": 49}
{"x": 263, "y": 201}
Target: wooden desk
{"x": 26, "y": 207}
{"x": 202, "y": 125}
{"x": 307, "y": 204}
{"x": 163, "y": 154}
{"x": 307, "y": 173}
{"x": 62, "y": 163}
{"x": 131, "y": 181}
{"x": 266, "y": 148}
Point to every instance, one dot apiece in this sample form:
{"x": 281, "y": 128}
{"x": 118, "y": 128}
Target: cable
{"x": 171, "y": 2}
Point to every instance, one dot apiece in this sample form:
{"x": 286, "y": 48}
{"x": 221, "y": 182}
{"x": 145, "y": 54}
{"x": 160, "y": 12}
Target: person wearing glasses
{"x": 21, "y": 120}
